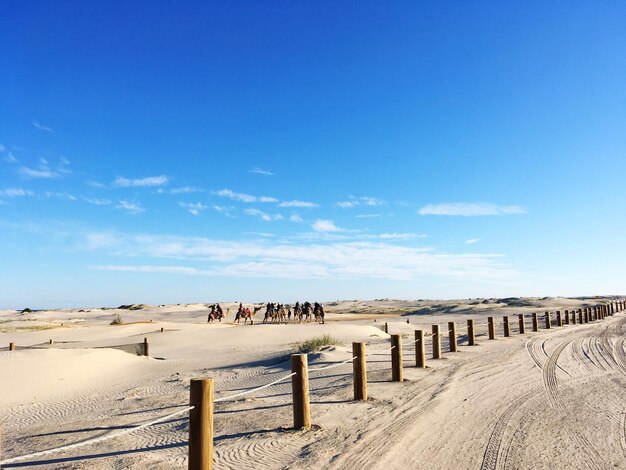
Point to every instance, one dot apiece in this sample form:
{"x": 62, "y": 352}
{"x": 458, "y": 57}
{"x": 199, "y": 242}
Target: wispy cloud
{"x": 60, "y": 195}
{"x": 193, "y": 208}
{"x": 368, "y": 216}
{"x": 98, "y": 202}
{"x": 471, "y": 241}
{"x": 397, "y": 236}
{"x": 226, "y": 210}
{"x": 470, "y": 209}
{"x": 148, "y": 181}
{"x": 16, "y": 192}
{"x": 336, "y": 260}
{"x": 354, "y": 201}
{"x": 297, "y": 203}
{"x": 41, "y": 127}
{"x": 44, "y": 171}
{"x": 95, "y": 184}
{"x": 324, "y": 225}
{"x": 263, "y": 215}
{"x": 130, "y": 206}
{"x": 7, "y": 155}
{"x": 185, "y": 190}
{"x": 242, "y": 197}
{"x": 296, "y": 218}
{"x": 261, "y": 171}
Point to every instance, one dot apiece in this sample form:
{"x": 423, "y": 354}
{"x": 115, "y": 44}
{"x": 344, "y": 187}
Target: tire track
{"x": 549, "y": 376}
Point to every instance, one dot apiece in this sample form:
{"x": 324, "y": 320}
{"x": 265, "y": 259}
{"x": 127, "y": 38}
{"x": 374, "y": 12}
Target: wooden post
{"x": 300, "y": 391}
{"x": 386, "y": 328}
{"x": 11, "y": 346}
{"x": 407, "y": 321}
{"x": 161, "y": 329}
{"x": 566, "y": 317}
{"x": 452, "y": 336}
{"x": 573, "y": 317}
{"x": 507, "y": 328}
{"x": 396, "y": 358}
{"x": 50, "y": 342}
{"x": 201, "y": 392}
{"x": 436, "y": 342}
{"x": 146, "y": 347}
{"x": 491, "y": 327}
{"x": 522, "y": 324}
{"x": 535, "y": 322}
{"x": 548, "y": 326}
{"x": 471, "y": 337}
{"x": 420, "y": 349}
{"x": 559, "y": 318}
{"x": 359, "y": 371}
{"x": 580, "y": 316}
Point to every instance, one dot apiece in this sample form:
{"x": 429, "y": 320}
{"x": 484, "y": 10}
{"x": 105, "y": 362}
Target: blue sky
{"x": 157, "y": 152}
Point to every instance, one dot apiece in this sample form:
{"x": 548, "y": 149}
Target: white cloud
{"x": 9, "y": 158}
{"x": 354, "y": 201}
{"x": 185, "y": 190}
{"x": 61, "y": 195}
{"x": 130, "y": 207}
{"x": 16, "y": 192}
{"x": 95, "y": 184}
{"x": 122, "y": 182}
{"x": 98, "y": 202}
{"x": 35, "y": 173}
{"x": 193, "y": 208}
{"x": 469, "y": 209}
{"x": 263, "y": 215}
{"x": 297, "y": 203}
{"x": 226, "y": 210}
{"x": 242, "y": 197}
{"x": 97, "y": 240}
{"x": 396, "y": 236}
{"x": 41, "y": 127}
{"x": 335, "y": 260}
{"x": 472, "y": 241}
{"x": 323, "y": 225}
{"x": 368, "y": 216}
{"x": 43, "y": 170}
{"x": 261, "y": 171}
{"x": 296, "y": 218}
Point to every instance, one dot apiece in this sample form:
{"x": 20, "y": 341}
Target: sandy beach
{"x": 554, "y": 398}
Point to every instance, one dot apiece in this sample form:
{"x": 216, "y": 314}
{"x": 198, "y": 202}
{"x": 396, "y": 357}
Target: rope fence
{"x": 201, "y": 406}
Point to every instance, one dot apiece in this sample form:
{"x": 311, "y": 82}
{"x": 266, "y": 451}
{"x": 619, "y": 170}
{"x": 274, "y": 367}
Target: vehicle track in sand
{"x": 549, "y": 376}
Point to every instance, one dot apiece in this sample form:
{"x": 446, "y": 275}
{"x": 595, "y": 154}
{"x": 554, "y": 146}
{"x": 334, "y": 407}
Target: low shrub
{"x": 314, "y": 344}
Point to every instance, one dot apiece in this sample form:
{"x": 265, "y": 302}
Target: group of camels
{"x": 274, "y": 313}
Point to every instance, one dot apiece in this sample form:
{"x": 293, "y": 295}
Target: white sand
{"x": 553, "y": 399}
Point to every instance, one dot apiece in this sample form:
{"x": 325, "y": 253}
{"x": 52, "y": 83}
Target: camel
{"x": 318, "y": 313}
{"x": 246, "y": 314}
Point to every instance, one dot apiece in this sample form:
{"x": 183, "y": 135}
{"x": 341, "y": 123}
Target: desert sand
{"x": 550, "y": 399}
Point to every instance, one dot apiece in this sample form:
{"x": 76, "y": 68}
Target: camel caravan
{"x": 274, "y": 313}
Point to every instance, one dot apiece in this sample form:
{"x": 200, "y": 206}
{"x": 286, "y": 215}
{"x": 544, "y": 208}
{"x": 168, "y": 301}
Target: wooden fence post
{"x": 580, "y": 316}
{"x": 535, "y": 322}
{"x": 201, "y": 393}
{"x": 559, "y": 318}
{"x": 452, "y": 336}
{"x": 573, "y": 317}
{"x": 146, "y": 347}
{"x": 396, "y": 358}
{"x": 491, "y": 327}
{"x": 471, "y": 337}
{"x": 507, "y": 328}
{"x": 11, "y": 346}
{"x": 359, "y": 370}
{"x": 522, "y": 324}
{"x": 566, "y": 317}
{"x": 547, "y": 316}
{"x": 436, "y": 337}
{"x": 420, "y": 349}
{"x": 300, "y": 391}
{"x": 161, "y": 329}
{"x": 386, "y": 328}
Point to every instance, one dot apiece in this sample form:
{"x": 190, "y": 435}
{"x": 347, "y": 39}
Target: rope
{"x": 254, "y": 389}
{"x": 95, "y": 440}
{"x": 333, "y": 365}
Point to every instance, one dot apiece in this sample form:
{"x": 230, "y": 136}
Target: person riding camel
{"x": 219, "y": 312}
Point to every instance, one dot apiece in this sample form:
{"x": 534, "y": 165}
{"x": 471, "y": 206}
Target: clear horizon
{"x": 159, "y": 153}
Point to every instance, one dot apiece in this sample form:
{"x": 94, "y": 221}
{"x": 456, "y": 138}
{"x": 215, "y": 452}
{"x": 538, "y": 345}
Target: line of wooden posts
{"x": 202, "y": 390}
